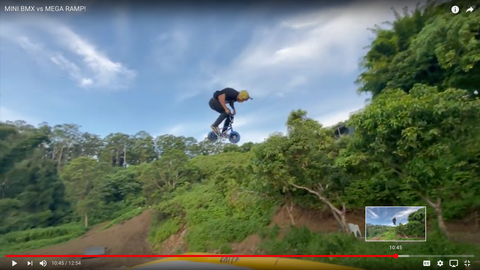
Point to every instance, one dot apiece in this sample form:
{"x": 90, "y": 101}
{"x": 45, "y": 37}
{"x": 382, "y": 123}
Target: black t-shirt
{"x": 230, "y": 95}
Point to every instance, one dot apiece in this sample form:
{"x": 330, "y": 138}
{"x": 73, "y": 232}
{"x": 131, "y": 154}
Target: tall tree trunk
{"x": 438, "y": 210}
{"x": 59, "y": 160}
{"x": 125, "y": 156}
{"x": 3, "y": 187}
{"x": 54, "y": 152}
{"x": 69, "y": 154}
{"x": 290, "y": 212}
{"x": 85, "y": 219}
{"x": 117, "y": 158}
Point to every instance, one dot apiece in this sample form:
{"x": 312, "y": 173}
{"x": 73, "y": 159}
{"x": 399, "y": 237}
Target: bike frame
{"x": 229, "y": 128}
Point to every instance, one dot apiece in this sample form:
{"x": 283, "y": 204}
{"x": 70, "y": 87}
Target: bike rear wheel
{"x": 234, "y": 137}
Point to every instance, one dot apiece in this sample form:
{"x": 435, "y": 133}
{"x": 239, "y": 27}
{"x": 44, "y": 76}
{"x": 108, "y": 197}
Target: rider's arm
{"x": 231, "y": 104}
{"x": 221, "y": 98}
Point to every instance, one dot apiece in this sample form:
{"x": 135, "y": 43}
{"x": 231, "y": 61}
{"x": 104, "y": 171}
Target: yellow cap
{"x": 243, "y": 95}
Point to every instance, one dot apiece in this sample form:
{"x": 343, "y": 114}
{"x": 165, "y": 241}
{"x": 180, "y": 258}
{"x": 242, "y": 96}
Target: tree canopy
{"x": 429, "y": 45}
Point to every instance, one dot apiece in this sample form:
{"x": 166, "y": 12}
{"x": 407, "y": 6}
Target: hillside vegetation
{"x": 416, "y": 143}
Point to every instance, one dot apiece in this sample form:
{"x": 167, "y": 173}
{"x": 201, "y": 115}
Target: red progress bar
{"x": 213, "y": 256}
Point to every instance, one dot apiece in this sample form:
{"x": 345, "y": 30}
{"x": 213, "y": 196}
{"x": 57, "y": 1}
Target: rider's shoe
{"x": 215, "y": 130}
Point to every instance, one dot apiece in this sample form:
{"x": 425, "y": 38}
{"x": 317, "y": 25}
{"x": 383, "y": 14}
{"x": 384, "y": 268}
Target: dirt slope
{"x": 130, "y": 238}
{"x": 127, "y": 238}
{"x": 315, "y": 221}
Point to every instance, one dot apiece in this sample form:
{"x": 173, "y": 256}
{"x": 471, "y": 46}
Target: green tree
{"x": 142, "y": 149}
{"x": 422, "y": 139}
{"x": 169, "y": 172}
{"x": 426, "y": 46}
{"x": 304, "y": 160}
{"x": 115, "y": 149}
{"x": 81, "y": 176}
{"x": 31, "y": 195}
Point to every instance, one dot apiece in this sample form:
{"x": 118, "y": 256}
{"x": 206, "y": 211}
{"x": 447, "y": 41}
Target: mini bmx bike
{"x": 233, "y": 136}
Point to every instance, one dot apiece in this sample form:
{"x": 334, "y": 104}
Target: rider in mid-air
{"x": 218, "y": 104}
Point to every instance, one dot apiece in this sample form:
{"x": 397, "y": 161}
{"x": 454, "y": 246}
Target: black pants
{"x": 217, "y": 106}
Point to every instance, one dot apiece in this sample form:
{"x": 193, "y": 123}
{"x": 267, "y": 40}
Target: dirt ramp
{"x": 127, "y": 238}
{"x": 314, "y": 220}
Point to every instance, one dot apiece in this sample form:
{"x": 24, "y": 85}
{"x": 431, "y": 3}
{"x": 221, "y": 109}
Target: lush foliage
{"x": 416, "y": 143}
{"x": 19, "y": 241}
{"x": 428, "y": 46}
{"x": 302, "y": 241}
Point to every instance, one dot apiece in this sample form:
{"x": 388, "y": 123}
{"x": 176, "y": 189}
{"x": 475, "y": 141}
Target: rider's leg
{"x": 216, "y": 106}
{"x": 226, "y": 124}
{"x": 220, "y": 119}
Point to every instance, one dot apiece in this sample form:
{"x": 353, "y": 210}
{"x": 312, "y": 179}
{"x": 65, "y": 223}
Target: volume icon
{"x": 43, "y": 263}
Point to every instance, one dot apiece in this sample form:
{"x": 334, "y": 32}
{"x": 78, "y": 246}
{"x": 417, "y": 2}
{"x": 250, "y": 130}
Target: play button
{"x": 14, "y": 263}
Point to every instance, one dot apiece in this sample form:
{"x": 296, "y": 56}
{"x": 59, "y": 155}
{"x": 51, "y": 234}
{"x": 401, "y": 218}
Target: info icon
{"x": 455, "y": 9}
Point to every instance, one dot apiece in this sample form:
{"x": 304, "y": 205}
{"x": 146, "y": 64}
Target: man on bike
{"x": 218, "y": 104}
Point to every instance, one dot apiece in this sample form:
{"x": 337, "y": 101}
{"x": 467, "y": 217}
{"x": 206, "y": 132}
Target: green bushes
{"x": 301, "y": 241}
{"x": 160, "y": 232}
{"x": 213, "y": 219}
{"x": 22, "y": 241}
